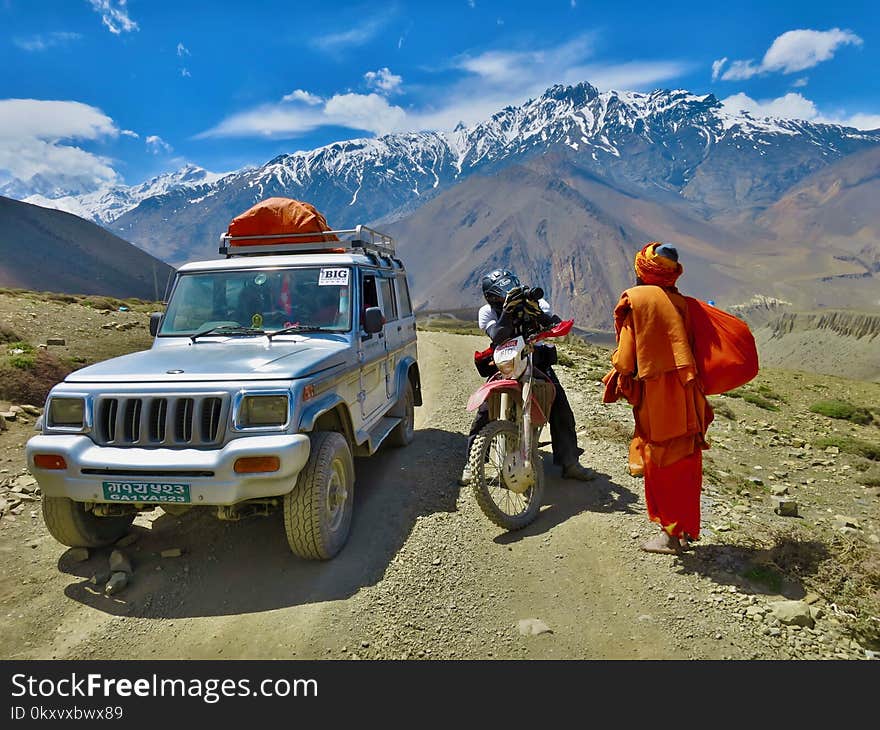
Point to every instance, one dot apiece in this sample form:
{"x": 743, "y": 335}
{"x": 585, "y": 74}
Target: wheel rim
{"x": 508, "y": 502}
{"x": 337, "y": 496}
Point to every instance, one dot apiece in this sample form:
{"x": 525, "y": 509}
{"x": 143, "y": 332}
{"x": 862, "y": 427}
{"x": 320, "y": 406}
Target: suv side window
{"x": 389, "y": 305}
{"x": 369, "y": 294}
{"x": 403, "y": 300}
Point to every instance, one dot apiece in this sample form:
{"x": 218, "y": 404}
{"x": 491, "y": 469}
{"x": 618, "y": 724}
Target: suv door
{"x": 406, "y": 324}
{"x": 392, "y": 330}
{"x": 372, "y": 352}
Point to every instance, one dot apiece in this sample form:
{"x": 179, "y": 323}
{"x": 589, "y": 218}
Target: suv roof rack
{"x": 350, "y": 239}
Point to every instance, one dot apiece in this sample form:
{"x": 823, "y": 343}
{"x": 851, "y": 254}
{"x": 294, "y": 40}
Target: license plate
{"x": 146, "y": 492}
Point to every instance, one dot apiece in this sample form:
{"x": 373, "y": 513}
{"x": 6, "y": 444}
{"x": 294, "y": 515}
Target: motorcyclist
{"x": 507, "y": 304}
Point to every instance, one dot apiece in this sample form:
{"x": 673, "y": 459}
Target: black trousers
{"x": 562, "y": 428}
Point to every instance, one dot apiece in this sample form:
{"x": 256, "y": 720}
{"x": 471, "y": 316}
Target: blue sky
{"x": 144, "y": 86}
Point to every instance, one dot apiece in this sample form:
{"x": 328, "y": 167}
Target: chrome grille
{"x": 167, "y": 421}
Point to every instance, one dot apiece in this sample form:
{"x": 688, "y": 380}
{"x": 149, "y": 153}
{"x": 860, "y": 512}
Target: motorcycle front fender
{"x": 481, "y": 395}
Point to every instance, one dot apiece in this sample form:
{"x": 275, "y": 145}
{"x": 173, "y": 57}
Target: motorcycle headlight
{"x": 507, "y": 366}
{"x": 259, "y": 411}
{"x": 67, "y": 413}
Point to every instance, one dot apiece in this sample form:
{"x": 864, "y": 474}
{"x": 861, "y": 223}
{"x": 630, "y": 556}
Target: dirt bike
{"x": 507, "y": 474}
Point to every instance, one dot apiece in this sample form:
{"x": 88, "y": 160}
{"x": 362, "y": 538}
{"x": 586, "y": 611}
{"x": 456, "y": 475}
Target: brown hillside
{"x": 48, "y": 250}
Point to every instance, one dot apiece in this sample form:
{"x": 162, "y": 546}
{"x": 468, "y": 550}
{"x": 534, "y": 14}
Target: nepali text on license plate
{"x": 146, "y": 492}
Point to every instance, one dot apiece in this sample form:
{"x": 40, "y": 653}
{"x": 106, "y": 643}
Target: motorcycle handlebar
{"x": 559, "y": 330}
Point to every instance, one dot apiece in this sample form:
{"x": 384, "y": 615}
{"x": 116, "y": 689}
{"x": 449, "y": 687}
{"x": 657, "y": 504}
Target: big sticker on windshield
{"x": 333, "y": 277}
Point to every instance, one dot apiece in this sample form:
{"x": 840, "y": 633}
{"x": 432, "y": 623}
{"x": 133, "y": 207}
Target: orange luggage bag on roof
{"x": 275, "y": 216}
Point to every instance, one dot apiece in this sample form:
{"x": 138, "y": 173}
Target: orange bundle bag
{"x": 724, "y": 348}
{"x": 275, "y": 216}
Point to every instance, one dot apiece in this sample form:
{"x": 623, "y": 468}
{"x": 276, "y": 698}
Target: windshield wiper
{"x": 229, "y": 329}
{"x": 298, "y": 328}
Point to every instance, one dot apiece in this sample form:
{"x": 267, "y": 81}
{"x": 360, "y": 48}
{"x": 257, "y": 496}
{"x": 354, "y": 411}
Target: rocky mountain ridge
{"x": 666, "y": 143}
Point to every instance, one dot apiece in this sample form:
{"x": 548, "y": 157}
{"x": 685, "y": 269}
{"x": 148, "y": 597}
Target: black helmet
{"x": 497, "y": 283}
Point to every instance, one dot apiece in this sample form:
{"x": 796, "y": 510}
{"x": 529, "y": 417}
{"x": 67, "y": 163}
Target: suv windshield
{"x": 259, "y": 299}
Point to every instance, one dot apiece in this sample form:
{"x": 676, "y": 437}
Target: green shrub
{"x": 767, "y": 392}
{"x": 20, "y": 355}
{"x": 32, "y": 385}
{"x": 62, "y": 298}
{"x": 7, "y": 334}
{"x": 722, "y": 409}
{"x": 766, "y": 576}
{"x": 760, "y": 401}
{"x": 851, "y": 445}
{"x": 108, "y": 304}
{"x": 763, "y": 398}
{"x": 565, "y": 360}
{"x": 842, "y": 410}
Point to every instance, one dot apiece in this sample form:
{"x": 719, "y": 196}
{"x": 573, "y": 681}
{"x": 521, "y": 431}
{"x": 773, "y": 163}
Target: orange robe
{"x": 654, "y": 370}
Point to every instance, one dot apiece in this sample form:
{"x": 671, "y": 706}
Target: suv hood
{"x": 215, "y": 359}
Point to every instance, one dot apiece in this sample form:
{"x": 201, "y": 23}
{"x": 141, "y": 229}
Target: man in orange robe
{"x": 654, "y": 370}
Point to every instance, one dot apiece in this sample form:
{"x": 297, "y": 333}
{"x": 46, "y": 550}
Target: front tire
{"x": 404, "y": 432}
{"x": 71, "y": 524}
{"x": 503, "y": 507}
{"x": 318, "y": 511}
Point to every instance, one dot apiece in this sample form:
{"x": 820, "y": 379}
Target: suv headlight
{"x": 67, "y": 413}
{"x": 262, "y": 411}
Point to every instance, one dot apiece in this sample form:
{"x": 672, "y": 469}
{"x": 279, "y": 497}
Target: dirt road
{"x": 424, "y": 574}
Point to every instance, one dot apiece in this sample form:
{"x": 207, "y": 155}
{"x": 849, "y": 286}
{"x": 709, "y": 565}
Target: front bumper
{"x": 152, "y": 465}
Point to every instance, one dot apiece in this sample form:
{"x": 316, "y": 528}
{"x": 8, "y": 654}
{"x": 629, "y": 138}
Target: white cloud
{"x": 717, "y": 66}
{"x": 157, "y": 145}
{"x": 484, "y": 84}
{"x": 53, "y": 120}
{"x": 793, "y": 51}
{"x": 357, "y": 36}
{"x": 129, "y": 133}
{"x": 182, "y": 50}
{"x": 305, "y": 97}
{"x": 44, "y": 41}
{"x": 365, "y": 112}
{"x": 114, "y": 15}
{"x": 383, "y": 81}
{"x": 741, "y": 70}
{"x": 795, "y": 106}
{"x": 797, "y": 50}
{"x": 370, "y": 112}
{"x": 801, "y": 82}
{"x": 864, "y": 121}
{"x": 185, "y": 73}
{"x": 790, "y": 106}
{"x": 472, "y": 4}
{"x": 36, "y": 143}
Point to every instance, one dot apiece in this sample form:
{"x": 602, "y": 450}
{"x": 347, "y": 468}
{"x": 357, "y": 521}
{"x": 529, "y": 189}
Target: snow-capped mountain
{"x": 666, "y": 143}
{"x": 108, "y": 203}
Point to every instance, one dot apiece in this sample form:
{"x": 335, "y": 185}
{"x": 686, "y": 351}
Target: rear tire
{"x": 318, "y": 511}
{"x": 504, "y": 508}
{"x": 71, "y": 524}
{"x": 404, "y": 432}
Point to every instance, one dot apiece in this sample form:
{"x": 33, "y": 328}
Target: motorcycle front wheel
{"x": 503, "y": 507}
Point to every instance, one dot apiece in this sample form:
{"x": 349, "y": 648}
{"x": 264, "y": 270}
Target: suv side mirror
{"x": 155, "y": 322}
{"x": 373, "y": 320}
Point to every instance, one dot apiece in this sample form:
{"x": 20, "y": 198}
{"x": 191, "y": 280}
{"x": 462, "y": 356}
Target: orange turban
{"x": 652, "y": 268}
